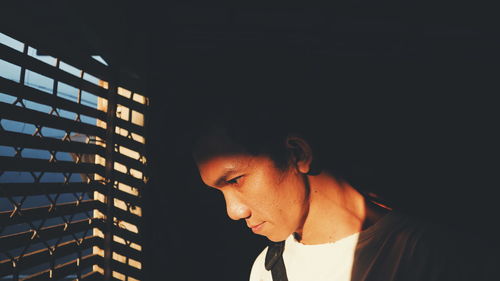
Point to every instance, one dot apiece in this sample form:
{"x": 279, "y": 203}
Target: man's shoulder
{"x": 442, "y": 251}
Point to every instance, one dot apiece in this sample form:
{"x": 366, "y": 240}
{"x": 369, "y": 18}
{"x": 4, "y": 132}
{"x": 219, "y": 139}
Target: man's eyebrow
{"x": 222, "y": 180}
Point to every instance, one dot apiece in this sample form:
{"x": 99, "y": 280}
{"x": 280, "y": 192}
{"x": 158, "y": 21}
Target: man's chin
{"x": 276, "y": 239}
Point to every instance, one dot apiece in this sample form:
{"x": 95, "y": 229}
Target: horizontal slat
{"x": 130, "y": 126}
{"x": 28, "y": 141}
{"x": 123, "y": 233}
{"x": 33, "y": 117}
{"x": 40, "y": 165}
{"x": 131, "y": 104}
{"x": 23, "y": 140}
{"x": 41, "y": 256}
{"x": 121, "y": 214}
{"x": 127, "y": 217}
{"x": 119, "y": 194}
{"x": 38, "y": 213}
{"x": 31, "y": 63}
{"x": 29, "y": 164}
{"x": 123, "y": 250}
{"x": 32, "y": 94}
{"x": 65, "y": 269}
{"x": 96, "y": 276}
{"x": 127, "y": 251}
{"x": 17, "y": 113}
{"x": 92, "y": 276}
{"x": 86, "y": 63}
{"x": 94, "y": 67}
{"x": 25, "y": 189}
{"x": 129, "y": 143}
{"x": 127, "y": 235}
{"x": 128, "y": 179}
{"x": 129, "y": 162}
{"x": 126, "y": 269}
{"x": 17, "y": 240}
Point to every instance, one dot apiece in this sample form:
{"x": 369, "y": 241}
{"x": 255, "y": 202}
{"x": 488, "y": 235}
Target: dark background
{"x": 408, "y": 89}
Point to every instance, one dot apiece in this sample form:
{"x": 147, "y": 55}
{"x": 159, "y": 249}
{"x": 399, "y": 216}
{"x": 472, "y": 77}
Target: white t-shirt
{"x": 331, "y": 261}
{"x": 395, "y": 248}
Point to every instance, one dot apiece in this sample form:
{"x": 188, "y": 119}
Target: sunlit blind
{"x": 72, "y": 168}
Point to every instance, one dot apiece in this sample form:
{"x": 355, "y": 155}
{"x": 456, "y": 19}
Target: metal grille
{"x": 72, "y": 169}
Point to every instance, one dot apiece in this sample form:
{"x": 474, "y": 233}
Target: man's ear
{"x": 301, "y": 153}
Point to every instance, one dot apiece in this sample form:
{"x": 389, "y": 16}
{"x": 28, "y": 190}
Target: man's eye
{"x": 234, "y": 180}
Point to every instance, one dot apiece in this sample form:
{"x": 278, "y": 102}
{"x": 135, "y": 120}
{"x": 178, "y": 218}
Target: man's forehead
{"x": 226, "y": 162}
{"x": 212, "y": 170}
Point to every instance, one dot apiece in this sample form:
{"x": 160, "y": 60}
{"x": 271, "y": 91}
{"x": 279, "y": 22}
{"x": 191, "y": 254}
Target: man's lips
{"x": 256, "y": 227}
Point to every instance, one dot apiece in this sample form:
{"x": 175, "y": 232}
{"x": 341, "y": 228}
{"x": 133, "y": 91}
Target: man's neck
{"x": 336, "y": 210}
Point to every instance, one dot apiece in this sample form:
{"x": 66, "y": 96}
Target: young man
{"x": 319, "y": 225}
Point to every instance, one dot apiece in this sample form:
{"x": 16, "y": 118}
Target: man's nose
{"x": 235, "y": 208}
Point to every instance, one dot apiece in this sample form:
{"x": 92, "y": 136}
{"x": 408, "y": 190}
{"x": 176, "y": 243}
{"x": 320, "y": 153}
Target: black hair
{"x": 260, "y": 107}
{"x": 261, "y": 127}
{"x": 254, "y": 129}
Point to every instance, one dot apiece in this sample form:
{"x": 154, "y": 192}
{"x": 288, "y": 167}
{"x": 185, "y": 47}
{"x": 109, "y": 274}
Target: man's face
{"x": 272, "y": 202}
